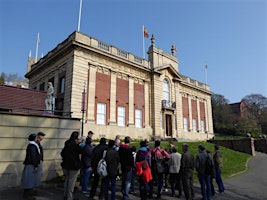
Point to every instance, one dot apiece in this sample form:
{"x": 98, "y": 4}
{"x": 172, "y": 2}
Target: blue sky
{"x": 230, "y": 36}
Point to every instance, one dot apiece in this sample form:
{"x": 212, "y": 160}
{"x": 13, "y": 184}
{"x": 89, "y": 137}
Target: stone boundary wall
{"x": 244, "y": 145}
{"x": 14, "y": 131}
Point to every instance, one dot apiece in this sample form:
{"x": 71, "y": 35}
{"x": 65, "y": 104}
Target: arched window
{"x": 166, "y": 90}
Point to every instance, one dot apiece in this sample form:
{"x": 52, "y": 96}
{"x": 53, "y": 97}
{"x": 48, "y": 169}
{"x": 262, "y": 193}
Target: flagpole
{"x": 206, "y": 76}
{"x": 80, "y": 12}
{"x": 143, "y": 41}
{"x": 37, "y": 45}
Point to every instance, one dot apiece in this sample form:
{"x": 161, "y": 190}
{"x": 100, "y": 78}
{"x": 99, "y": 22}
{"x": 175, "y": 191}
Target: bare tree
{"x": 221, "y": 114}
{"x": 256, "y": 106}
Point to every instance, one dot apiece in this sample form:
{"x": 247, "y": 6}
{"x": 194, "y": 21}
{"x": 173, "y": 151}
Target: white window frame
{"x": 202, "y": 126}
{"x": 101, "y": 114}
{"x": 166, "y": 90}
{"x": 185, "y": 124}
{"x": 194, "y": 125}
{"x": 121, "y": 116}
{"x": 138, "y": 118}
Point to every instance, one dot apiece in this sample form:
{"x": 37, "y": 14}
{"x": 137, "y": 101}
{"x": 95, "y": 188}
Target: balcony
{"x": 166, "y": 104}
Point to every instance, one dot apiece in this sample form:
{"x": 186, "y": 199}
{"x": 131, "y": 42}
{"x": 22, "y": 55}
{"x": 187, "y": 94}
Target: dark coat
{"x": 33, "y": 157}
{"x": 126, "y": 158}
{"x": 187, "y": 164}
{"x": 97, "y": 154}
{"x": 71, "y": 155}
{"x": 87, "y": 156}
{"x": 112, "y": 159}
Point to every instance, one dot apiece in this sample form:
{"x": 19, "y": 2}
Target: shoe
{"x": 85, "y": 192}
{"x": 86, "y": 195}
{"x": 132, "y": 192}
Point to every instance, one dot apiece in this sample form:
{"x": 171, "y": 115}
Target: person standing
{"x": 218, "y": 163}
{"x": 157, "y": 154}
{"x": 40, "y": 137}
{"x": 97, "y": 154}
{"x": 86, "y": 165}
{"x": 187, "y": 172}
{"x": 71, "y": 163}
{"x": 31, "y": 175}
{"x": 174, "y": 168}
{"x": 112, "y": 160}
{"x": 143, "y": 155}
{"x": 203, "y": 177}
{"x": 127, "y": 163}
{"x": 133, "y": 175}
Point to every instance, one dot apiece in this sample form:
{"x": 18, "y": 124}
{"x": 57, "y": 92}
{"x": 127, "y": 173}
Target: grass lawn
{"x": 233, "y": 161}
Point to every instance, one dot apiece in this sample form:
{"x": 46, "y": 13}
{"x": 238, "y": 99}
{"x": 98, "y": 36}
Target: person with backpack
{"x": 204, "y": 172}
{"x": 143, "y": 171}
{"x": 97, "y": 155}
{"x": 158, "y": 158}
{"x": 218, "y": 163}
{"x": 86, "y": 165}
{"x": 112, "y": 160}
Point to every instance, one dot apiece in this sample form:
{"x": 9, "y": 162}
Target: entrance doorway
{"x": 168, "y": 127}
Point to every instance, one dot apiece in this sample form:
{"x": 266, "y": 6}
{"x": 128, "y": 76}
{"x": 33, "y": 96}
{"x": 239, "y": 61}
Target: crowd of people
{"x": 146, "y": 168}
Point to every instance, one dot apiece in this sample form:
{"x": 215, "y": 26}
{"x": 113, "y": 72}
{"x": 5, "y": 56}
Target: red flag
{"x": 146, "y": 35}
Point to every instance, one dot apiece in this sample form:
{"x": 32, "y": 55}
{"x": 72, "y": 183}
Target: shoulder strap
{"x": 104, "y": 154}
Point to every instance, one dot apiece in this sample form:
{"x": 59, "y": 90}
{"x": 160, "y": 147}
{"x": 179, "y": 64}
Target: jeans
{"x": 219, "y": 181}
{"x": 204, "y": 181}
{"x": 85, "y": 178}
{"x": 133, "y": 177}
{"x": 125, "y": 184}
{"x": 95, "y": 185}
{"x": 110, "y": 181}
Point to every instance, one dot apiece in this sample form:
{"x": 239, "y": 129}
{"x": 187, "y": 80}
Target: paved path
{"x": 250, "y": 185}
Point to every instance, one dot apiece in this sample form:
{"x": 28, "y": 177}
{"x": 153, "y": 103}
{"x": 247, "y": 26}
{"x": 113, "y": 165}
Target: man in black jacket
{"x": 97, "y": 154}
{"x": 71, "y": 163}
{"x": 127, "y": 163}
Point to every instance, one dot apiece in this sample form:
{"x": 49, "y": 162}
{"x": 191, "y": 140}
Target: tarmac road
{"x": 249, "y": 185}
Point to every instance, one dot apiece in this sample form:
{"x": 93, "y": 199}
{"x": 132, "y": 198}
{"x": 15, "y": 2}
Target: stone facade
{"x": 124, "y": 94}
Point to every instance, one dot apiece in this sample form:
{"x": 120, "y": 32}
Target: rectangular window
{"x": 202, "y": 126}
{"x": 138, "y": 118}
{"x": 185, "y": 124}
{"x": 62, "y": 84}
{"x": 101, "y": 114}
{"x": 194, "y": 123}
{"x": 121, "y": 116}
{"x": 42, "y": 87}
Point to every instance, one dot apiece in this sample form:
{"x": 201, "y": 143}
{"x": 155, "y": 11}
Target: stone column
{"x": 91, "y": 94}
{"x": 113, "y": 82}
{"x": 146, "y": 114}
{"x": 190, "y": 121}
{"x": 198, "y": 117}
{"x": 131, "y": 102}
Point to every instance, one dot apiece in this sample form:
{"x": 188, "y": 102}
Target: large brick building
{"x": 125, "y": 94}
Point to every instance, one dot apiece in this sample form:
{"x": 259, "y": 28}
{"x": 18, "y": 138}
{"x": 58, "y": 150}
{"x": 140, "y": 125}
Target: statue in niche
{"x": 49, "y": 98}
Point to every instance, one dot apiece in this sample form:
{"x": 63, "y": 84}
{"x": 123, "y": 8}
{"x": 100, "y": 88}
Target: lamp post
{"x": 83, "y": 105}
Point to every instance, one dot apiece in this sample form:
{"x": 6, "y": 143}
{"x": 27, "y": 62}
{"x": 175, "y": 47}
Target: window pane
{"x": 194, "y": 125}
{"x": 166, "y": 90}
{"x": 121, "y": 116}
{"x": 101, "y": 114}
{"x": 138, "y": 118}
{"x": 202, "y": 126}
{"x": 185, "y": 124}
